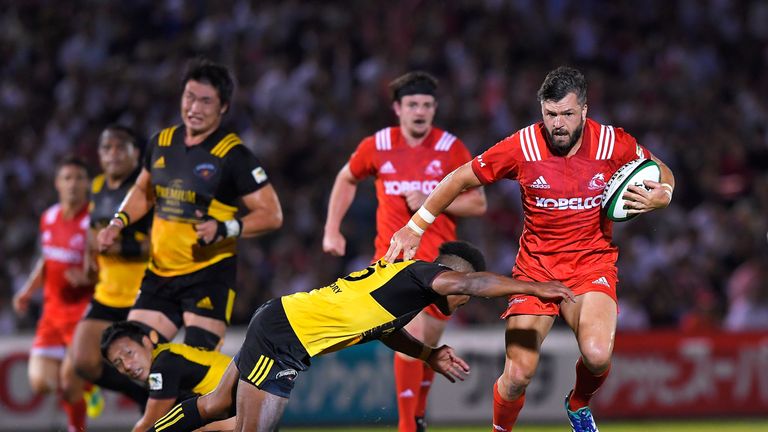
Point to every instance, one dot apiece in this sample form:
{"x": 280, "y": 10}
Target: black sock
{"x": 113, "y": 380}
{"x": 421, "y": 424}
{"x": 182, "y": 417}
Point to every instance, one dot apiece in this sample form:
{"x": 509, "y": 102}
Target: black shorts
{"x": 208, "y": 292}
{"x": 272, "y": 356}
{"x": 100, "y": 311}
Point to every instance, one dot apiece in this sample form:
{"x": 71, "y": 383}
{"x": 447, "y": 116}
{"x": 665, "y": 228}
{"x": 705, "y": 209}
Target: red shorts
{"x": 434, "y": 312}
{"x": 603, "y": 280}
{"x": 55, "y": 331}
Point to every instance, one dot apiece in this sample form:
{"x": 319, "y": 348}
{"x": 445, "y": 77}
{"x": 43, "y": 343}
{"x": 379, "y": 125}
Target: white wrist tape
{"x": 412, "y": 225}
{"x": 233, "y": 227}
{"x": 426, "y": 215}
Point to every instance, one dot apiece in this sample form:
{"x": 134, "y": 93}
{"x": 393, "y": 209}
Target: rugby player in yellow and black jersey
{"x": 374, "y": 303}
{"x": 120, "y": 268}
{"x": 172, "y": 371}
{"x": 194, "y": 175}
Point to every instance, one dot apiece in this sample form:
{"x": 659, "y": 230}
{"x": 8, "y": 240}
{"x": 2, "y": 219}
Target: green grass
{"x": 635, "y": 426}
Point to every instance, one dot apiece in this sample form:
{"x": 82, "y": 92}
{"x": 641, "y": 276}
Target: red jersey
{"x": 63, "y": 242}
{"x": 564, "y": 231}
{"x": 399, "y": 168}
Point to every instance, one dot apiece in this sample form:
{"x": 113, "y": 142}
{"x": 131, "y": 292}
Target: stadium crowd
{"x": 684, "y": 77}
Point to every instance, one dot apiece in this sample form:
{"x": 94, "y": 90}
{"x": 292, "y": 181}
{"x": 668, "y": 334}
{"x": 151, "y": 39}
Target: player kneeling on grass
{"x": 172, "y": 371}
{"x": 373, "y": 303}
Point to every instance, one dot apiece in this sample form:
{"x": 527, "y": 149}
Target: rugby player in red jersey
{"x": 407, "y": 163}
{"x": 67, "y": 290}
{"x": 561, "y": 165}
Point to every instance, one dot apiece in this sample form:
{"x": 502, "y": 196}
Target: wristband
{"x": 426, "y": 351}
{"x": 124, "y": 218}
{"x": 426, "y": 215}
{"x": 412, "y": 225}
{"x": 668, "y": 186}
{"x": 234, "y": 227}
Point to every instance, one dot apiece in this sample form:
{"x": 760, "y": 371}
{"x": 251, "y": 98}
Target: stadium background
{"x": 687, "y": 78}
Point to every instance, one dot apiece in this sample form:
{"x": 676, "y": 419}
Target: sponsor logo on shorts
{"x": 156, "y": 381}
{"x": 578, "y": 203}
{"x": 289, "y": 374}
{"x": 517, "y": 300}
{"x": 204, "y": 303}
{"x": 601, "y": 281}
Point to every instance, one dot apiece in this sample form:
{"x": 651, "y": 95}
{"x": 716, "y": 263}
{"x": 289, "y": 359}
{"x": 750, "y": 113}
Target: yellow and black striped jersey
{"x": 362, "y": 306}
{"x": 209, "y": 177}
{"x": 119, "y": 275}
{"x": 180, "y": 370}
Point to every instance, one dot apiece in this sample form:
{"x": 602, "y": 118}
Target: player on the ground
{"x": 120, "y": 268}
{"x": 561, "y": 165}
{"x": 407, "y": 162}
{"x": 67, "y": 289}
{"x": 371, "y": 304}
{"x": 173, "y": 372}
{"x": 194, "y": 175}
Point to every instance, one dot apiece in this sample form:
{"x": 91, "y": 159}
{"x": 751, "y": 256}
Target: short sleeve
{"x": 361, "y": 163}
{"x": 629, "y": 148}
{"x": 246, "y": 171}
{"x": 459, "y": 155}
{"x": 423, "y": 273}
{"x": 165, "y": 376}
{"x": 148, "y": 153}
{"x": 497, "y": 162}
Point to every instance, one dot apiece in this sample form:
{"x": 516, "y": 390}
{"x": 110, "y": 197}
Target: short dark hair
{"x": 562, "y": 81}
{"x": 122, "y": 329}
{"x": 128, "y": 134}
{"x": 465, "y": 251}
{"x": 416, "y": 82}
{"x": 214, "y": 74}
{"x": 72, "y": 160}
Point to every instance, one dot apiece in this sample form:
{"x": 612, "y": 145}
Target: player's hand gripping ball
{"x": 632, "y": 173}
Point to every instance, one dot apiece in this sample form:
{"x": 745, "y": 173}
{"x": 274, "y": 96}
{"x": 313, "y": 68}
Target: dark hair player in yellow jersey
{"x": 374, "y": 303}
{"x": 171, "y": 371}
{"x": 194, "y": 175}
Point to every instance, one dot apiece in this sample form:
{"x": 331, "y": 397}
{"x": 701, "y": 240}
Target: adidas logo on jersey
{"x": 160, "y": 163}
{"x": 387, "y": 168}
{"x": 601, "y": 281}
{"x": 205, "y": 303}
{"x": 539, "y": 183}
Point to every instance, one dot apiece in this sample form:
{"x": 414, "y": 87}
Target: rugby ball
{"x": 631, "y": 174}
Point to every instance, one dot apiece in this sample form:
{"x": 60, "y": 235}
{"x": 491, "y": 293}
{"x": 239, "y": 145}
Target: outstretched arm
{"x": 442, "y": 360}
{"x": 407, "y": 239}
{"x": 487, "y": 284}
{"x": 342, "y": 195}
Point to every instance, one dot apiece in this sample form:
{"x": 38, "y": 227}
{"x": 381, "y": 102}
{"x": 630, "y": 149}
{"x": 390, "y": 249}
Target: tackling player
{"x": 407, "y": 162}
{"x": 561, "y": 164}
{"x": 371, "y": 304}
{"x": 67, "y": 289}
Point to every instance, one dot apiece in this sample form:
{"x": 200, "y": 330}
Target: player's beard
{"x": 563, "y": 149}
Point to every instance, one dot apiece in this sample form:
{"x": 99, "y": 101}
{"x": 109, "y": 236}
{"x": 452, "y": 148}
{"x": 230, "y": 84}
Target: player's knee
{"x": 596, "y": 358}
{"x": 515, "y": 379}
{"x": 201, "y": 338}
{"x": 41, "y": 385}
{"x": 87, "y": 365}
{"x": 215, "y": 405}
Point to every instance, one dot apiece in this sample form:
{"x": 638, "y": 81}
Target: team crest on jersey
{"x": 434, "y": 169}
{"x": 205, "y": 170}
{"x": 156, "y": 381}
{"x": 597, "y": 182}
{"x": 77, "y": 241}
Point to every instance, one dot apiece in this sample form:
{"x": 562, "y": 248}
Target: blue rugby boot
{"x": 581, "y": 419}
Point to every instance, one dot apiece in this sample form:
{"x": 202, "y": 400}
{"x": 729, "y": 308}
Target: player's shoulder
{"x": 527, "y": 143}
{"x": 51, "y": 214}
{"x": 164, "y": 137}
{"x": 612, "y": 142}
{"x": 97, "y": 184}
{"x": 445, "y": 141}
{"x": 381, "y": 140}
